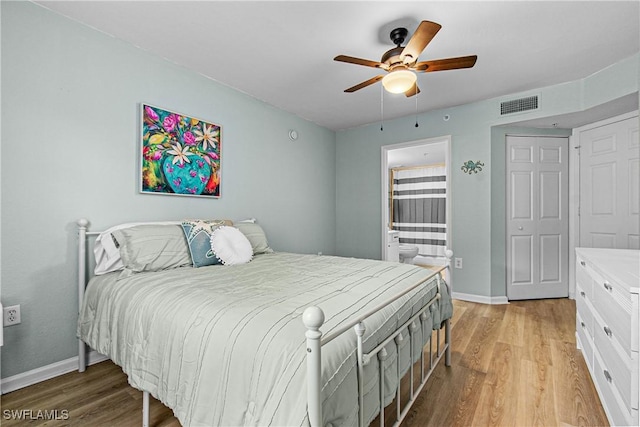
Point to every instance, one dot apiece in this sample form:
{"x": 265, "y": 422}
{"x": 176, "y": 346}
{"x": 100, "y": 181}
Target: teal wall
{"x": 477, "y": 200}
{"x": 70, "y": 108}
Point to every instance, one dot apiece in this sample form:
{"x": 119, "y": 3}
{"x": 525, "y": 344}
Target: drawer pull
{"x": 607, "y": 375}
{"x": 582, "y": 294}
{"x": 582, "y": 263}
{"x": 607, "y": 286}
{"x": 608, "y": 331}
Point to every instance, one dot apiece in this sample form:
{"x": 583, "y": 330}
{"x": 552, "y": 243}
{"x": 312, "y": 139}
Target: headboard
{"x": 83, "y": 262}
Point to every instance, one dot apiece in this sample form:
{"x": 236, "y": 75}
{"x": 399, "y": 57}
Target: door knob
{"x": 519, "y": 228}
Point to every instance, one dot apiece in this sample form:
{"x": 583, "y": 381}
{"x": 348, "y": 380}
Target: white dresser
{"x": 607, "y": 327}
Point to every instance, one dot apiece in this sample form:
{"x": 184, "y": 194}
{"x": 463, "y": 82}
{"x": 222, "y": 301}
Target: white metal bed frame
{"x": 313, "y": 318}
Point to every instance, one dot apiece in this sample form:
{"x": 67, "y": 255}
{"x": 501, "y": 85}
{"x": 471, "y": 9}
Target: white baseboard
{"x": 479, "y": 298}
{"x": 44, "y": 373}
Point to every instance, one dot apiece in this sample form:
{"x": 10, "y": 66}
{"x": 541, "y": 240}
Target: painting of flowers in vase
{"x": 180, "y": 154}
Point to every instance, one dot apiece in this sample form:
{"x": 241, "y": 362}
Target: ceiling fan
{"x": 401, "y": 63}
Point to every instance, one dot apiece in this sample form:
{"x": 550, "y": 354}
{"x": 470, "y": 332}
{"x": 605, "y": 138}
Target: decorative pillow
{"x": 231, "y": 246}
{"x": 198, "y": 233}
{"x": 256, "y": 236}
{"x": 151, "y": 248}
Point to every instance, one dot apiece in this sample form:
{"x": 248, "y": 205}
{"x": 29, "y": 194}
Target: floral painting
{"x": 180, "y": 154}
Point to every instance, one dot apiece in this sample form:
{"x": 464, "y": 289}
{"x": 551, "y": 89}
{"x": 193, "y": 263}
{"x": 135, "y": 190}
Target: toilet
{"x": 408, "y": 253}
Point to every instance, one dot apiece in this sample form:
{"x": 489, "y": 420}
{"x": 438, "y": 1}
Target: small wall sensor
{"x": 293, "y": 134}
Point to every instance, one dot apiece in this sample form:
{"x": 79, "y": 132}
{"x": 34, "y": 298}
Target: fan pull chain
{"x": 416, "y": 107}
{"x": 381, "y": 108}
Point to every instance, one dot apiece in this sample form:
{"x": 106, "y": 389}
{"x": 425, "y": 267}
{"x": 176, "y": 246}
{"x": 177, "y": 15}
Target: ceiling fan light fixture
{"x": 399, "y": 81}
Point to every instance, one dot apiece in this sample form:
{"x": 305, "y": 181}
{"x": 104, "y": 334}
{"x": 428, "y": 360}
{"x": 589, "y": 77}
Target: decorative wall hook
{"x": 470, "y": 167}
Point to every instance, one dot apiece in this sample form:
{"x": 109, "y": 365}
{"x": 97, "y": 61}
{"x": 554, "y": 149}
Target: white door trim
{"x": 384, "y": 150}
{"x": 574, "y": 205}
{"x": 605, "y": 122}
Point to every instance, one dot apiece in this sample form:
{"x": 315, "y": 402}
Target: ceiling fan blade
{"x": 359, "y": 61}
{"x": 446, "y": 64}
{"x": 364, "y": 84}
{"x": 425, "y": 32}
{"x": 413, "y": 91}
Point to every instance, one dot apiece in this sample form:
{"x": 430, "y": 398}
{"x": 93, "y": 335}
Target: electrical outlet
{"x": 457, "y": 263}
{"x": 11, "y": 315}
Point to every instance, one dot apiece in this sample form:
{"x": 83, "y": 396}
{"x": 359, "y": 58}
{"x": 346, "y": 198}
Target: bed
{"x": 285, "y": 339}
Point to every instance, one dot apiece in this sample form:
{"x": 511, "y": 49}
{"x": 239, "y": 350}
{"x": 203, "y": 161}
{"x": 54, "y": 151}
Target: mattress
{"x": 225, "y": 345}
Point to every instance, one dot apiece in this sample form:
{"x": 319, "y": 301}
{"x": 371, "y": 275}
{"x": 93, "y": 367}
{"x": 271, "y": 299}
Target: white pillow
{"x": 231, "y": 246}
{"x": 107, "y": 254}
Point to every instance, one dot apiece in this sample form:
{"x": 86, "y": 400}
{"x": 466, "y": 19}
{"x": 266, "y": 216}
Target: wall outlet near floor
{"x": 11, "y": 315}
{"x": 457, "y": 262}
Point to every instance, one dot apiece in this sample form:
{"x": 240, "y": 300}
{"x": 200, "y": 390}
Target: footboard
{"x": 313, "y": 319}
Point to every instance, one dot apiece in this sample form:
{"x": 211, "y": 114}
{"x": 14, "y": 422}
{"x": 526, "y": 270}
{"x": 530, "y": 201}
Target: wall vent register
{"x": 519, "y": 105}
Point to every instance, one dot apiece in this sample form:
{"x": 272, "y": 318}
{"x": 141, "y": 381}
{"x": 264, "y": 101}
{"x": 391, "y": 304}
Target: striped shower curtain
{"x": 419, "y": 202}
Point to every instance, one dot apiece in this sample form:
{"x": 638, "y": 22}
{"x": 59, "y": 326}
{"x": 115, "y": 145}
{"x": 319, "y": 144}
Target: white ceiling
{"x": 282, "y": 52}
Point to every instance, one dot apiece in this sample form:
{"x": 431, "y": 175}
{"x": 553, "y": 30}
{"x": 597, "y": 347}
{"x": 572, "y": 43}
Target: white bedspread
{"x": 225, "y": 345}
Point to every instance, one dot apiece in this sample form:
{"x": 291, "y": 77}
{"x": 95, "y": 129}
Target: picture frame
{"x": 179, "y": 154}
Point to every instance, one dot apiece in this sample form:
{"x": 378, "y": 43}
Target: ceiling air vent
{"x": 519, "y": 105}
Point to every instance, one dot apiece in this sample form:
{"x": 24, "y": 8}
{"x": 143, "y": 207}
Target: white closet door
{"x": 610, "y": 186}
{"x": 537, "y": 217}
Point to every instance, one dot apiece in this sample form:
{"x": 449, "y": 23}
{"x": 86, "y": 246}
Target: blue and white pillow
{"x": 198, "y": 234}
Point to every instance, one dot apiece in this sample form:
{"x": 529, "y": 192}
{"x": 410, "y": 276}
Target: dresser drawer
{"x": 614, "y": 307}
{"x": 584, "y": 310}
{"x": 585, "y": 342}
{"x": 618, "y": 414}
{"x": 617, "y": 363}
{"x": 583, "y": 279}
{"x": 607, "y": 323}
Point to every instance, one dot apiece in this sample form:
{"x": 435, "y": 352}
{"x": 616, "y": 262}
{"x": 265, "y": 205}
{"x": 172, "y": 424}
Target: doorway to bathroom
{"x": 416, "y": 197}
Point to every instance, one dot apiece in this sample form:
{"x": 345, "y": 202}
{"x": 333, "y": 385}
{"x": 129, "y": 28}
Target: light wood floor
{"x": 512, "y": 365}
